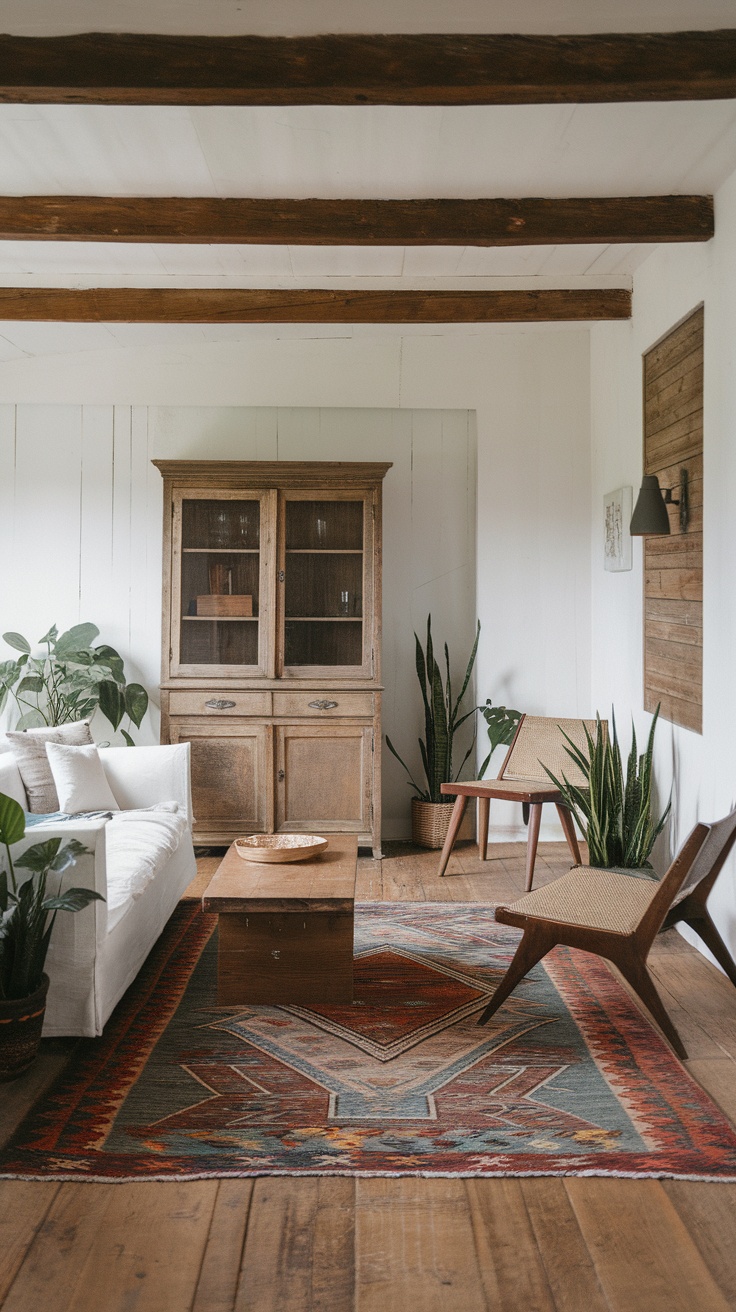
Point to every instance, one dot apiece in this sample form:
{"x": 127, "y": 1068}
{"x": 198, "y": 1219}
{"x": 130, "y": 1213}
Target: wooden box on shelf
{"x": 281, "y": 701}
{"x": 225, "y": 605}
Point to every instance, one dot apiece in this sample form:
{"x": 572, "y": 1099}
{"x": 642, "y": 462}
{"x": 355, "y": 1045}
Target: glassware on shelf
{"x": 321, "y": 525}
{"x": 220, "y": 529}
{"x": 345, "y": 603}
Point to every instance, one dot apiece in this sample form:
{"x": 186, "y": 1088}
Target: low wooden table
{"x": 286, "y": 930}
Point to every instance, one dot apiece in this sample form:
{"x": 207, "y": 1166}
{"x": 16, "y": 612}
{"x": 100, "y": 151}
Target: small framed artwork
{"x": 618, "y": 507}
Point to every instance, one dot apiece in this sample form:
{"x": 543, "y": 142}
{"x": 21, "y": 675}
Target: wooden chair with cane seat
{"x": 617, "y": 915}
{"x": 538, "y": 741}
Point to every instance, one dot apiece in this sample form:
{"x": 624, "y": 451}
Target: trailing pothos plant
{"x": 614, "y": 811}
{"x": 69, "y": 681}
{"x": 442, "y": 719}
{"x": 28, "y": 908}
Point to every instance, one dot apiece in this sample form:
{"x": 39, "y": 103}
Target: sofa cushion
{"x": 138, "y": 844}
{"x": 80, "y": 781}
{"x": 29, "y": 750}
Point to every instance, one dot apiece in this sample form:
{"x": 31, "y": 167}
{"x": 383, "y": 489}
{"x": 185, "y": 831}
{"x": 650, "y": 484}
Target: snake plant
{"x": 442, "y": 719}
{"x": 614, "y": 812}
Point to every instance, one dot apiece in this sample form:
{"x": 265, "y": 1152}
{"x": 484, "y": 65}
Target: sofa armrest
{"x": 143, "y": 776}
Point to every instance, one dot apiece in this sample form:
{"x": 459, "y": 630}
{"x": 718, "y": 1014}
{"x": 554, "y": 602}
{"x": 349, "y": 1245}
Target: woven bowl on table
{"x": 279, "y": 847}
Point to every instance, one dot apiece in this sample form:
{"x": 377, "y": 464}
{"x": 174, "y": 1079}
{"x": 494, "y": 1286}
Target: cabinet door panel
{"x": 230, "y": 777}
{"x": 323, "y": 777}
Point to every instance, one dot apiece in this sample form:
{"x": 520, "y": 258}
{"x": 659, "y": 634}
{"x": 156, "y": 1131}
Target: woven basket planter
{"x": 430, "y": 822}
{"x": 21, "y": 1022}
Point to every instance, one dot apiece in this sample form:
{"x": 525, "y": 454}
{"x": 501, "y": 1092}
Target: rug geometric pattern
{"x": 567, "y": 1078}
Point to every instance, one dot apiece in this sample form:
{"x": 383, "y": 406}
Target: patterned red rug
{"x": 567, "y": 1079}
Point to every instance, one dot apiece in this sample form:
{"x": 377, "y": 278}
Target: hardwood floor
{"x": 345, "y": 1245}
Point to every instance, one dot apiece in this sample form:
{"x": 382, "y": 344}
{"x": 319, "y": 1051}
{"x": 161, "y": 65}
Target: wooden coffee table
{"x": 286, "y": 930}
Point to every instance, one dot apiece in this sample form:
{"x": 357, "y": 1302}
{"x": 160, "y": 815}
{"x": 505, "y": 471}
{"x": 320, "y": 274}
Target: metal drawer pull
{"x": 219, "y": 704}
{"x": 323, "y": 706}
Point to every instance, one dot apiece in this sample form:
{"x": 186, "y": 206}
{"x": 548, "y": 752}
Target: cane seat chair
{"x": 539, "y": 741}
{"x": 617, "y": 914}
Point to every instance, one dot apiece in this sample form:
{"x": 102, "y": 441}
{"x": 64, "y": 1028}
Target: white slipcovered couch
{"x": 140, "y": 863}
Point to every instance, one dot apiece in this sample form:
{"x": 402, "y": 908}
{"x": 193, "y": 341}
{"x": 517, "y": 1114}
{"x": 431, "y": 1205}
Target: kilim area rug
{"x": 567, "y": 1079}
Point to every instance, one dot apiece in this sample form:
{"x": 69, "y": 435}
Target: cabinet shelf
{"x": 221, "y": 619}
{"x": 323, "y": 619}
{"x": 221, "y": 551}
{"x": 324, "y": 551}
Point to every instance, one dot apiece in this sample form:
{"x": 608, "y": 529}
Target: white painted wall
{"x": 80, "y": 505}
{"x": 700, "y": 769}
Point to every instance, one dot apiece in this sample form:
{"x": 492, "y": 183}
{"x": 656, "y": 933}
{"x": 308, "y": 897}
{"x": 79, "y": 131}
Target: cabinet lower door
{"x": 323, "y": 778}
{"x": 231, "y": 779}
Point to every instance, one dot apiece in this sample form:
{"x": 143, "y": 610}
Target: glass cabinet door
{"x": 218, "y": 579}
{"x": 325, "y": 601}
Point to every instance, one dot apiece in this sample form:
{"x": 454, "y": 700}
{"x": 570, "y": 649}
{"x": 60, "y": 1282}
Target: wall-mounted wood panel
{"x": 673, "y": 566}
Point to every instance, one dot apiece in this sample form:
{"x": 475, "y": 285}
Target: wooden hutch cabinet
{"x": 272, "y": 643}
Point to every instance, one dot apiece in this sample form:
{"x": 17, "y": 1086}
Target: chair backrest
{"x": 539, "y": 741}
{"x": 701, "y": 858}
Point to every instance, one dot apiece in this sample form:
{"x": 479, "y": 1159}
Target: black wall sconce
{"x": 650, "y": 518}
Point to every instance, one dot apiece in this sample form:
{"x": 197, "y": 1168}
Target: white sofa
{"x": 96, "y": 954}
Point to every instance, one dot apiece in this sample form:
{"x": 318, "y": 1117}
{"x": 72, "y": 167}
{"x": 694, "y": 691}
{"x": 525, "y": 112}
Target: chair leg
{"x": 525, "y": 812}
{"x": 534, "y": 945}
{"x": 704, "y": 926}
{"x": 535, "y": 819}
{"x": 456, "y": 819}
{"x": 568, "y": 825}
{"x": 484, "y": 807}
{"x": 636, "y": 974}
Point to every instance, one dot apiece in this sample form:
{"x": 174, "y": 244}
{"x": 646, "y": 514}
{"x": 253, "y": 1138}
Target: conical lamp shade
{"x": 650, "y": 516}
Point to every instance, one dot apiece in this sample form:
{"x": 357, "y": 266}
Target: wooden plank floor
{"x": 344, "y": 1245}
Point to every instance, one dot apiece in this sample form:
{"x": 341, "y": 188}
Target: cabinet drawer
{"x": 327, "y": 704}
{"x": 220, "y": 703}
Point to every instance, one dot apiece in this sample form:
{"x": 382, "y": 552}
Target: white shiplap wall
{"x": 81, "y": 512}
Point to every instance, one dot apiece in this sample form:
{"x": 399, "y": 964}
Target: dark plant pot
{"x": 21, "y": 1022}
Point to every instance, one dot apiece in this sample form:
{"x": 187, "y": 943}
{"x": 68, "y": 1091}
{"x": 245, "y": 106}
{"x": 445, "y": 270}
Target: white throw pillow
{"x": 80, "y": 779}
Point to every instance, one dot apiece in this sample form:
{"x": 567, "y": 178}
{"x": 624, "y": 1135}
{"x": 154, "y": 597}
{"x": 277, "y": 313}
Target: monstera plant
{"x": 67, "y": 678}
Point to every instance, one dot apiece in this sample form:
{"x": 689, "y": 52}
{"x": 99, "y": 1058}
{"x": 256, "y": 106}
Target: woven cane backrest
{"x": 711, "y": 856}
{"x": 540, "y": 742}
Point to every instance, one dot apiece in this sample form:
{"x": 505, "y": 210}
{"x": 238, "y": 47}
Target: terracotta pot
{"x": 430, "y": 822}
{"x": 21, "y": 1022}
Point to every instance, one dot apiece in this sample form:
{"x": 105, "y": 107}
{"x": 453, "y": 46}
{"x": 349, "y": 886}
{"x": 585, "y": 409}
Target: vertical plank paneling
{"x": 673, "y": 565}
{"x": 95, "y": 539}
{"x": 47, "y": 518}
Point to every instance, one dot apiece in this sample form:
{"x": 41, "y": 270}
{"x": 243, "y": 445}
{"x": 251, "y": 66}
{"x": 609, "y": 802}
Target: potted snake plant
{"x": 28, "y": 910}
{"x": 430, "y": 808}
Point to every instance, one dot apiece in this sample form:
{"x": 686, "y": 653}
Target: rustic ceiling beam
{"x": 528, "y": 222}
{"x": 144, "y": 69}
{"x": 231, "y": 305}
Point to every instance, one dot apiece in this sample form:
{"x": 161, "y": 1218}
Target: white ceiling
{"x": 344, "y": 151}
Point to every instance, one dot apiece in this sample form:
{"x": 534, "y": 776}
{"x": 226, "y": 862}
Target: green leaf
{"x": 49, "y": 637}
{"x": 17, "y": 642}
{"x": 40, "y": 856}
{"x": 72, "y": 899}
{"x": 136, "y": 702}
{"x": 31, "y": 683}
{"x": 12, "y": 820}
{"x": 32, "y": 719}
{"x": 112, "y": 703}
{"x": 75, "y": 639}
{"x": 128, "y": 740}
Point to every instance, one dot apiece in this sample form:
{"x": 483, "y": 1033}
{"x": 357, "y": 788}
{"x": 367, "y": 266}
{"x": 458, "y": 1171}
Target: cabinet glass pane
{"x": 324, "y": 583}
{"x": 220, "y": 571}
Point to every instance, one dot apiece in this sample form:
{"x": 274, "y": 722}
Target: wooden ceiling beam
{"x": 315, "y": 222}
{"x": 506, "y": 69}
{"x": 195, "y": 305}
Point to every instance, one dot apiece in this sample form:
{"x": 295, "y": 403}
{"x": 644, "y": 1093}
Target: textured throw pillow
{"x": 29, "y": 750}
{"x": 79, "y": 778}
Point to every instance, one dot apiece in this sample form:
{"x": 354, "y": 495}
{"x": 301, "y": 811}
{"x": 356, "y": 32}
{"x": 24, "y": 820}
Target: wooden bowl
{"x": 279, "y": 847}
